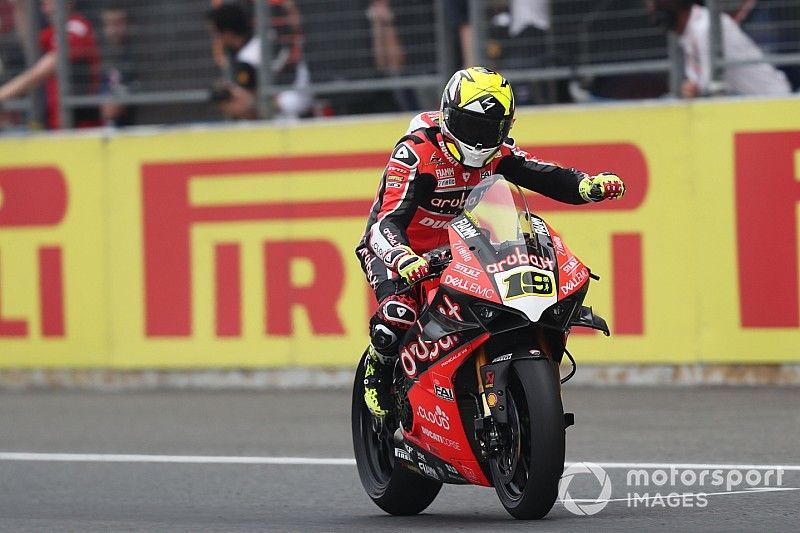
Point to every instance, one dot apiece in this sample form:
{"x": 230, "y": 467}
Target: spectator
{"x": 514, "y": 17}
{"x": 525, "y": 13}
{"x": 386, "y": 48}
{"x": 766, "y": 23}
{"x": 692, "y": 24}
{"x": 518, "y": 39}
{"x": 233, "y": 26}
{"x": 119, "y": 70}
{"x": 14, "y": 17}
{"x": 457, "y": 17}
{"x": 7, "y": 8}
{"x": 388, "y": 51}
{"x": 85, "y": 67}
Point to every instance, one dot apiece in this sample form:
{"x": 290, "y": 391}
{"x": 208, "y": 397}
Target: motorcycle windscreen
{"x": 500, "y": 211}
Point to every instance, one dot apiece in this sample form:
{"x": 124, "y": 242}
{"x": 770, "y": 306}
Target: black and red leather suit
{"x": 422, "y": 189}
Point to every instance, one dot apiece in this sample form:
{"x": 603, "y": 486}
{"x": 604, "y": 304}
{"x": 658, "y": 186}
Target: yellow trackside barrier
{"x": 234, "y": 247}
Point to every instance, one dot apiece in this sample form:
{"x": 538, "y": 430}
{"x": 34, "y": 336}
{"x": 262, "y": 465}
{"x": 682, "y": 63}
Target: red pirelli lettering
{"x": 228, "y": 290}
{"x": 168, "y": 215}
{"x": 319, "y": 298}
{"x": 32, "y": 196}
{"x": 628, "y": 284}
{"x": 767, "y": 194}
{"x": 51, "y": 292}
{"x": 36, "y": 196}
{"x": 168, "y": 218}
{"x": 11, "y": 327}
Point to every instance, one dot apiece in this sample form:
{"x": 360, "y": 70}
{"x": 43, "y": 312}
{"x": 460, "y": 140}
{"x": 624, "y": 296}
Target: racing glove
{"x": 409, "y": 265}
{"x": 604, "y": 186}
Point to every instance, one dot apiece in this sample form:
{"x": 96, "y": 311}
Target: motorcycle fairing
{"x": 437, "y": 428}
{"x": 466, "y": 273}
{"x": 428, "y": 464}
{"x": 437, "y": 335}
{"x": 528, "y": 289}
{"x": 572, "y": 273}
{"x": 587, "y": 319}
{"x": 529, "y": 278}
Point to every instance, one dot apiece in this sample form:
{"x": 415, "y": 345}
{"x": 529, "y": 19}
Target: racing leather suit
{"x": 421, "y": 190}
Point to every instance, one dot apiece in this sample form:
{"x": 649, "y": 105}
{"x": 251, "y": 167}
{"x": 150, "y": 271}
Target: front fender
{"x": 494, "y": 377}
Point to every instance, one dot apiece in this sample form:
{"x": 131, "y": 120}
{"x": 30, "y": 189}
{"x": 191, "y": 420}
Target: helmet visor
{"x": 473, "y": 129}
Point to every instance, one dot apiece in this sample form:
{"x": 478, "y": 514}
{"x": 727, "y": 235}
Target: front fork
{"x": 492, "y": 402}
{"x": 486, "y": 433}
{"x": 493, "y": 397}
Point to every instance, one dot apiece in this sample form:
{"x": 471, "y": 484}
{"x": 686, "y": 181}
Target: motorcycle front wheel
{"x": 391, "y": 485}
{"x": 527, "y": 469}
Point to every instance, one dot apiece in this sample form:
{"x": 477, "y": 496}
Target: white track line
{"x": 332, "y": 461}
{"x": 192, "y": 459}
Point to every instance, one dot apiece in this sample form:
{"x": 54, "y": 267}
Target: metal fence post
{"x": 675, "y": 56}
{"x": 60, "y": 17}
{"x": 444, "y": 53}
{"x": 32, "y": 54}
{"x": 715, "y": 45}
{"x": 477, "y": 20}
{"x": 264, "y": 89}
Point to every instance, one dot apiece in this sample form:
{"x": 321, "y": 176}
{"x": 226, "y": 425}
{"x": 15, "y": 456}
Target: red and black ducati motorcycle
{"x": 477, "y": 386}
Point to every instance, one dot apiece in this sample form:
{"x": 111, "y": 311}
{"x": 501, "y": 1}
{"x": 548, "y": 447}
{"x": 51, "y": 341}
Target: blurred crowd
{"x": 99, "y": 65}
{"x": 515, "y": 35}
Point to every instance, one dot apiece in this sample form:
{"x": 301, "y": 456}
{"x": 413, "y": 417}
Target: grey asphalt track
{"x": 628, "y": 425}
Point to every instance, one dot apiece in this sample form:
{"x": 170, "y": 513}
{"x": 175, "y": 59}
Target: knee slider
{"x": 385, "y": 343}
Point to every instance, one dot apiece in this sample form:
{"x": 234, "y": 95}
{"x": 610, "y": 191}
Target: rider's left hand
{"x": 603, "y": 186}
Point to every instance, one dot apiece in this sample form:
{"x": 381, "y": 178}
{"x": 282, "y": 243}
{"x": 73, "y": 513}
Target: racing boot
{"x": 377, "y": 383}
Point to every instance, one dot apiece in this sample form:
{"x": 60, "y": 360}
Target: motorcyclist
{"x": 430, "y": 173}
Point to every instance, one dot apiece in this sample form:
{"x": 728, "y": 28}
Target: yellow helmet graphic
{"x": 477, "y": 114}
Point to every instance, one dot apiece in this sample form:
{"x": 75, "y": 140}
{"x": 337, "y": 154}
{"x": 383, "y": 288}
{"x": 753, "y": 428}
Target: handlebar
{"x": 409, "y": 287}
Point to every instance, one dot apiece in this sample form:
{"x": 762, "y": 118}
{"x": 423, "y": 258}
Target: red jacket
{"x": 423, "y": 188}
{"x": 84, "y": 58}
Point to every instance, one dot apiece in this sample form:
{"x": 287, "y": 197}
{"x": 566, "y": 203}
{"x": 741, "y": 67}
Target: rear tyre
{"x": 527, "y": 471}
{"x": 391, "y": 485}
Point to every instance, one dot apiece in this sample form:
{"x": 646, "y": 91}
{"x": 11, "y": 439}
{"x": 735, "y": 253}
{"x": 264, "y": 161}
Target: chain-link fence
{"x": 126, "y": 62}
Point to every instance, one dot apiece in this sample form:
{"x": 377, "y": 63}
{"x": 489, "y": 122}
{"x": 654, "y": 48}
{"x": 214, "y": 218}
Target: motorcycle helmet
{"x": 477, "y": 113}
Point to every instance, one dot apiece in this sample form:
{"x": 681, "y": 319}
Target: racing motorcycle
{"x": 477, "y": 385}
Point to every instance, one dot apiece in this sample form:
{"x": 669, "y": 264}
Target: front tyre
{"x": 393, "y": 487}
{"x": 527, "y": 469}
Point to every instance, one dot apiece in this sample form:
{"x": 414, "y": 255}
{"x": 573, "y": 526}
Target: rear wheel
{"x": 391, "y": 485}
{"x": 527, "y": 469}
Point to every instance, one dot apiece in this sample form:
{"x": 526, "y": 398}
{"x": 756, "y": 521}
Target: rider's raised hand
{"x": 603, "y": 186}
